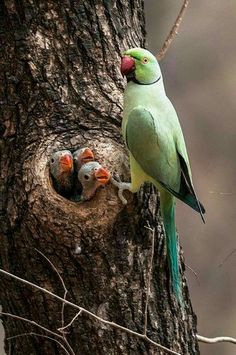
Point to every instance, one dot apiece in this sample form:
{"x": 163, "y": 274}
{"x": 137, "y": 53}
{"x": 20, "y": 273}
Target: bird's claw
{"x": 121, "y": 187}
{"x": 116, "y": 179}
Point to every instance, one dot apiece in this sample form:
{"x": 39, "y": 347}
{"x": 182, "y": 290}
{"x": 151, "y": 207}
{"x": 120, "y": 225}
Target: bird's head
{"x": 93, "y": 172}
{"x": 92, "y": 175}
{"x": 61, "y": 162}
{"x": 141, "y": 65}
{"x": 102, "y": 175}
{"x": 82, "y": 156}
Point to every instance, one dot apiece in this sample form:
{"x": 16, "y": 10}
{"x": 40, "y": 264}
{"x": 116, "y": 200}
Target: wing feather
{"x": 156, "y": 151}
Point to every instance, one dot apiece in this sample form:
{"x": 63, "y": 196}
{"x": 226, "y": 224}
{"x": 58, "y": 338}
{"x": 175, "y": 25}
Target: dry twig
{"x": 227, "y": 257}
{"x": 71, "y": 322}
{"x": 56, "y": 335}
{"x": 39, "y": 335}
{"x": 194, "y": 273}
{"x": 215, "y": 340}
{"x": 62, "y": 282}
{"x": 174, "y": 31}
{"x": 63, "y": 304}
{"x": 112, "y": 324}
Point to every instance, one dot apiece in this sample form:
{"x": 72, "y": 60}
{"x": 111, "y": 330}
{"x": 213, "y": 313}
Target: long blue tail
{"x": 168, "y": 214}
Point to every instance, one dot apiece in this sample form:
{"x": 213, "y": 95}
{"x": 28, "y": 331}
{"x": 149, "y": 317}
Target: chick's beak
{"x": 127, "y": 65}
{"x": 87, "y": 156}
{"x": 67, "y": 162}
{"x": 102, "y": 175}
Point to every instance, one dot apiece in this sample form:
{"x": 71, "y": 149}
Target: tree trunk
{"x": 61, "y": 88}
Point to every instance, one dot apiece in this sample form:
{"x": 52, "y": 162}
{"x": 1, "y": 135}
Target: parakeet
{"x": 82, "y": 156}
{"x": 91, "y": 176}
{"x": 155, "y": 141}
{"x": 62, "y": 170}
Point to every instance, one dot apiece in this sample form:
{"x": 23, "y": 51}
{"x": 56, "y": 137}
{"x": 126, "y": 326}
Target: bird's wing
{"x": 152, "y": 148}
{"x": 160, "y": 156}
{"x": 187, "y": 192}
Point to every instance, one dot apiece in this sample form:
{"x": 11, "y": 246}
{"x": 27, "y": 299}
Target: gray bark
{"x": 61, "y": 88}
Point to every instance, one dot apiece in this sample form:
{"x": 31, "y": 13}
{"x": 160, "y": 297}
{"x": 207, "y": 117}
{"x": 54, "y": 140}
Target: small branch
{"x": 227, "y": 257}
{"x": 64, "y": 297}
{"x": 149, "y": 281}
{"x": 32, "y": 322}
{"x": 62, "y": 282}
{"x": 215, "y": 340}
{"x": 174, "y": 31}
{"x": 69, "y": 324}
{"x": 39, "y": 335}
{"x": 194, "y": 272}
{"x": 112, "y": 324}
{"x": 40, "y": 327}
{"x": 222, "y": 193}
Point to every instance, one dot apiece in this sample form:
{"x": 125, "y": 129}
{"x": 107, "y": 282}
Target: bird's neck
{"x": 89, "y": 191}
{"x": 65, "y": 181}
{"x": 134, "y": 80}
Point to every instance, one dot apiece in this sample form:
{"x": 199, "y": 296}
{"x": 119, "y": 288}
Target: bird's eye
{"x": 145, "y": 60}
{"x": 86, "y": 177}
{"x": 52, "y": 160}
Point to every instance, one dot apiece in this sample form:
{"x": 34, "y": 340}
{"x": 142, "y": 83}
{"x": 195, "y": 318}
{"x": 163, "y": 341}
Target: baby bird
{"x": 92, "y": 176}
{"x": 62, "y": 172}
{"x": 82, "y": 156}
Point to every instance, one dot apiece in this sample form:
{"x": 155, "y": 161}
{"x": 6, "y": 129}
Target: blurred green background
{"x": 200, "y": 78}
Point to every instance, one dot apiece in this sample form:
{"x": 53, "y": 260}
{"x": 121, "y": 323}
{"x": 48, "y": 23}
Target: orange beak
{"x": 87, "y": 156}
{"x": 102, "y": 175}
{"x": 67, "y": 162}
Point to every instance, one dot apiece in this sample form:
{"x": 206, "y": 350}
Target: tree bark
{"x": 61, "y": 89}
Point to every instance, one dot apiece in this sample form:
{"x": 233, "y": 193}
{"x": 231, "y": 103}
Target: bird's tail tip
{"x": 201, "y": 210}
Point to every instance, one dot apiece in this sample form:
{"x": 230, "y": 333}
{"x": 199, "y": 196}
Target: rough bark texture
{"x": 61, "y": 88}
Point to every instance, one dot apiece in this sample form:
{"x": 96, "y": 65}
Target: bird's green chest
{"x": 149, "y": 98}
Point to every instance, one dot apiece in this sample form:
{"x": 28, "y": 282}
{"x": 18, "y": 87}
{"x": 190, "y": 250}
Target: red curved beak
{"x": 102, "y": 175}
{"x": 87, "y": 156}
{"x": 67, "y": 162}
{"x": 127, "y": 65}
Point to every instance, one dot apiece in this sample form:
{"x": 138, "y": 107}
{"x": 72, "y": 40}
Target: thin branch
{"x": 64, "y": 297}
{"x": 227, "y": 257}
{"x": 194, "y": 272}
{"x": 112, "y": 324}
{"x": 40, "y": 327}
{"x": 69, "y": 324}
{"x": 149, "y": 281}
{"x": 62, "y": 282}
{"x": 39, "y": 335}
{"x": 174, "y": 31}
{"x": 32, "y": 322}
{"x": 215, "y": 340}
{"x": 222, "y": 193}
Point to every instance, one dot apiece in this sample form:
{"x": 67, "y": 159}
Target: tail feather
{"x": 188, "y": 193}
{"x": 187, "y": 197}
{"x": 168, "y": 214}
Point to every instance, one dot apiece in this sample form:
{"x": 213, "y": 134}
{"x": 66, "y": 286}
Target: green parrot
{"x": 157, "y": 150}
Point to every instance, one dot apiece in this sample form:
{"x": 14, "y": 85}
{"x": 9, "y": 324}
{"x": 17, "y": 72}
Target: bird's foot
{"x": 122, "y": 186}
